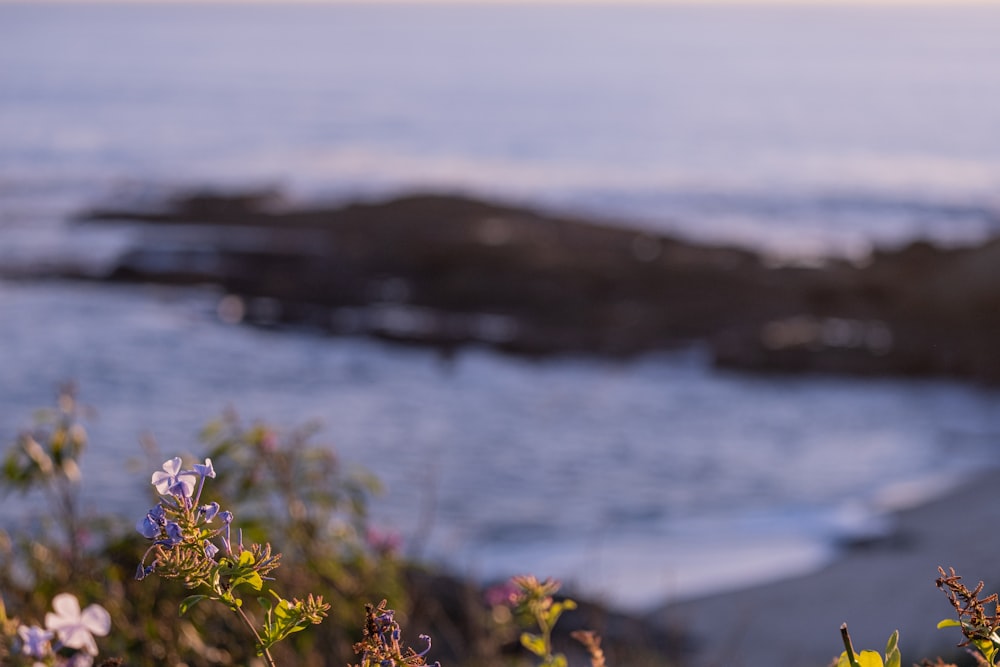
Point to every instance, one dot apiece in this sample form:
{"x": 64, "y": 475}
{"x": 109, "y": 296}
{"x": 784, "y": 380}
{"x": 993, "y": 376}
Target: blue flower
{"x": 209, "y": 511}
{"x": 203, "y": 470}
{"x": 144, "y": 571}
{"x": 174, "y": 534}
{"x": 34, "y": 641}
{"x": 151, "y": 524}
{"x": 174, "y": 481}
{"x": 210, "y": 550}
{"x": 206, "y": 469}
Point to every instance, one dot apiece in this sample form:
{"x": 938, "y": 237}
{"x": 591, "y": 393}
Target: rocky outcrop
{"x": 449, "y": 271}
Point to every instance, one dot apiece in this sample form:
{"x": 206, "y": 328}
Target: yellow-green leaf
{"x": 870, "y": 659}
{"x": 190, "y": 601}
{"x": 533, "y": 643}
{"x": 892, "y": 656}
{"x": 893, "y": 643}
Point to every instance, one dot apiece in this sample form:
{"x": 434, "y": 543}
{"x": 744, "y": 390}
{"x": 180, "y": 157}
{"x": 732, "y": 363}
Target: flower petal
{"x": 34, "y": 640}
{"x": 67, "y": 610}
{"x": 147, "y": 527}
{"x": 173, "y": 466}
{"x": 97, "y": 619}
{"x": 78, "y": 637}
{"x": 205, "y": 470}
{"x": 162, "y": 480}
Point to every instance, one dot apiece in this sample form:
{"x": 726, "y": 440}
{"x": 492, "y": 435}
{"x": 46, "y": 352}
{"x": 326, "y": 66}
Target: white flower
{"x": 173, "y": 481}
{"x": 74, "y": 628}
{"x": 76, "y": 660}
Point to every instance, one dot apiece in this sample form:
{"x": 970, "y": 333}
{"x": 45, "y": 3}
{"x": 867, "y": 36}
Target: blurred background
{"x": 796, "y": 131}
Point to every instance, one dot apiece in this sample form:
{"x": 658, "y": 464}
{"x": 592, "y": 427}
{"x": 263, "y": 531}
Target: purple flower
{"x": 210, "y": 550}
{"x": 76, "y": 629}
{"x": 142, "y": 571}
{"x": 174, "y": 481}
{"x": 203, "y": 470}
{"x": 209, "y": 511}
{"x": 174, "y": 534}
{"x": 34, "y": 641}
{"x": 206, "y": 469}
{"x": 150, "y": 524}
{"x": 426, "y": 638}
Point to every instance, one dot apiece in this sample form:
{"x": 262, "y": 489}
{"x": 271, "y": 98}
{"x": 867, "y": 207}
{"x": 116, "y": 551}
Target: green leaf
{"x": 533, "y": 643}
{"x": 556, "y": 610}
{"x": 190, "y": 601}
{"x": 246, "y": 558}
{"x": 893, "y": 643}
{"x": 949, "y": 623}
{"x": 283, "y": 610}
{"x": 892, "y": 656}
{"x": 252, "y": 579}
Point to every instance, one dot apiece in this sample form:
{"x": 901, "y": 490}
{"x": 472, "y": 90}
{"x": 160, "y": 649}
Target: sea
{"x": 800, "y": 131}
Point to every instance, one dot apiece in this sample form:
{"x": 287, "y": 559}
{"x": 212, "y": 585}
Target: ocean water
{"x": 800, "y": 131}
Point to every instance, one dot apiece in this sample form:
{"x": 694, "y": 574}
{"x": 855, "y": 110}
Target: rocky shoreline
{"x": 448, "y": 271}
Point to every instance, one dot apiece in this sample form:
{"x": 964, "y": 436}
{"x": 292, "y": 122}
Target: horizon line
{"x": 567, "y": 3}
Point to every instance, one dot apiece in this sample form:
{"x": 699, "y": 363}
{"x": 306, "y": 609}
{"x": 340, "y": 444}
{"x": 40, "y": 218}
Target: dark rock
{"x": 448, "y": 271}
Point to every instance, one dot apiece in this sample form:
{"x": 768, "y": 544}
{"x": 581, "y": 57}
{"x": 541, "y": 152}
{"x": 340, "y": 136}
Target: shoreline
{"x": 876, "y": 588}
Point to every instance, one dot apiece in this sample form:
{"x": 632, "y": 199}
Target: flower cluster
{"x": 193, "y": 542}
{"x": 67, "y": 640}
{"x": 381, "y": 645}
{"x": 178, "y": 518}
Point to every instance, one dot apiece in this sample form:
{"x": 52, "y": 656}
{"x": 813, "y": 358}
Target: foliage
{"x": 297, "y": 495}
{"x": 322, "y": 534}
{"x": 533, "y": 601}
{"x": 869, "y": 658}
{"x": 186, "y": 546}
{"x": 381, "y": 645}
{"x": 46, "y": 458}
{"x": 980, "y": 628}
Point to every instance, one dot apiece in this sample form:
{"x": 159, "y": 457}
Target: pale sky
{"x": 551, "y": 2}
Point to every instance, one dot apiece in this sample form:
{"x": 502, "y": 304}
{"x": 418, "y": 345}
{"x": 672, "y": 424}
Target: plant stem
{"x": 847, "y": 645}
{"x": 260, "y": 642}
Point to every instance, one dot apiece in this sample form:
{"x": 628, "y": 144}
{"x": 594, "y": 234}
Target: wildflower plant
{"x": 46, "y": 458}
{"x": 299, "y": 494}
{"x": 381, "y": 644}
{"x": 194, "y": 542}
{"x": 979, "y": 626}
{"x": 533, "y": 602}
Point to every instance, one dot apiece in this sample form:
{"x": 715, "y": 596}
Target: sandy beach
{"x": 875, "y": 588}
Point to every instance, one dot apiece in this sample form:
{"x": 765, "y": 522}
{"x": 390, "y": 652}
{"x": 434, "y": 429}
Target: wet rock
{"x": 450, "y": 271}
